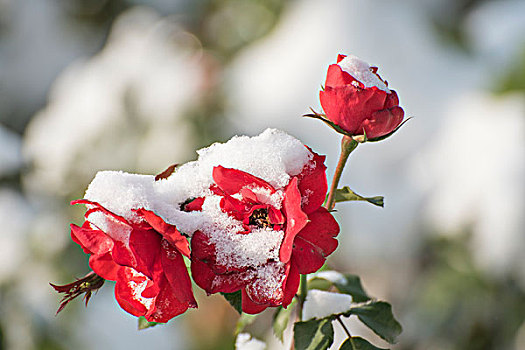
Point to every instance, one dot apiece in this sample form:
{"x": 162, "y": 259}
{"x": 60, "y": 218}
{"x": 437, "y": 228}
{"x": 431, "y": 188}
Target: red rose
{"x": 145, "y": 259}
{"x": 356, "y": 99}
{"x": 293, "y": 213}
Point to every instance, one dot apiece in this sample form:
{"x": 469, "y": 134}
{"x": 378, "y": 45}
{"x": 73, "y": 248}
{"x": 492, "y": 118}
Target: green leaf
{"x": 281, "y": 317}
{"x": 235, "y": 300}
{"x": 346, "y": 194}
{"x": 244, "y": 321}
{"x": 358, "y": 343}
{"x": 143, "y": 323}
{"x": 351, "y": 284}
{"x": 377, "y": 315}
{"x": 313, "y": 334}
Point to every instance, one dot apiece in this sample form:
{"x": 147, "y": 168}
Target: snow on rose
{"x": 357, "y": 100}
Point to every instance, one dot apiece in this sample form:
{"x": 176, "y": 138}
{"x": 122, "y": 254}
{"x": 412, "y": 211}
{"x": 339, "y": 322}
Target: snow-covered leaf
{"x": 377, "y": 315}
{"x": 345, "y": 283}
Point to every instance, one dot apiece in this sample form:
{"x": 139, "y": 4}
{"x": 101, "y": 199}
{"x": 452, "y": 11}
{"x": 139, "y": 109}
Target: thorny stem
{"x": 347, "y": 146}
{"x": 338, "y": 318}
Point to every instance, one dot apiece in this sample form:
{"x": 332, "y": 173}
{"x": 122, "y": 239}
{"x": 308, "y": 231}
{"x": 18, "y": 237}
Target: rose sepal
{"x": 359, "y": 138}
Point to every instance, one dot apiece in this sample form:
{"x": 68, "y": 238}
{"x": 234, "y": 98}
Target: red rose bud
{"x": 358, "y": 101}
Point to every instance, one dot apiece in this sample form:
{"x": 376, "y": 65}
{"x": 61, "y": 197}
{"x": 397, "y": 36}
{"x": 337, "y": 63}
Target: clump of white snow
{"x": 320, "y": 304}
{"x": 363, "y": 72}
{"x": 245, "y": 341}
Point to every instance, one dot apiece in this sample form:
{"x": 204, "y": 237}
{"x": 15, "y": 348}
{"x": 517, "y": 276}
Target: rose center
{"x": 260, "y": 218}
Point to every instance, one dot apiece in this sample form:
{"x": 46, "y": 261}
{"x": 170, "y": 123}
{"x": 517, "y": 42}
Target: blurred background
{"x": 138, "y": 85}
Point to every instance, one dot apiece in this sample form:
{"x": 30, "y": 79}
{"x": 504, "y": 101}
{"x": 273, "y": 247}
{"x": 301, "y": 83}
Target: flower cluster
{"x": 254, "y": 221}
{"x": 249, "y": 216}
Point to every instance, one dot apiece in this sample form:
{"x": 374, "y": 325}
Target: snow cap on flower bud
{"x": 358, "y": 102}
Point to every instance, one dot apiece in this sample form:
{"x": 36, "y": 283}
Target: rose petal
{"x": 104, "y": 266}
{"x": 313, "y": 184}
{"x": 250, "y": 307}
{"x": 98, "y": 207}
{"x": 321, "y": 230}
{"x": 128, "y": 297}
{"x": 296, "y": 219}
{"x": 231, "y": 181}
{"x": 166, "y": 305}
{"x": 145, "y": 245}
{"x": 383, "y": 122}
{"x": 177, "y": 275}
{"x": 122, "y": 255}
{"x": 233, "y": 207}
{"x": 307, "y": 257}
{"x": 291, "y": 284}
{"x": 208, "y": 280}
{"x": 194, "y": 205}
{"x": 337, "y": 77}
{"x": 167, "y": 231}
{"x": 348, "y": 106}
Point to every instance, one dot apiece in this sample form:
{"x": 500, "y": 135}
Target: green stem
{"x": 302, "y": 296}
{"x": 347, "y": 146}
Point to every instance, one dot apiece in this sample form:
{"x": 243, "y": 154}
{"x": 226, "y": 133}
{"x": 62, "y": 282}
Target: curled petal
{"x": 348, "y": 106}
{"x": 249, "y": 306}
{"x": 321, "y": 231}
{"x": 211, "y": 282}
{"x": 296, "y": 219}
{"x": 104, "y": 266}
{"x": 337, "y": 77}
{"x": 145, "y": 245}
{"x": 98, "y": 207}
{"x": 291, "y": 284}
{"x": 234, "y": 207}
{"x": 167, "y": 231}
{"x": 231, "y": 181}
{"x": 166, "y": 305}
{"x": 92, "y": 241}
{"x": 383, "y": 122}
{"x": 275, "y": 216}
{"x": 307, "y": 257}
{"x": 177, "y": 275}
{"x": 312, "y": 183}
{"x": 128, "y": 291}
{"x": 194, "y": 205}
